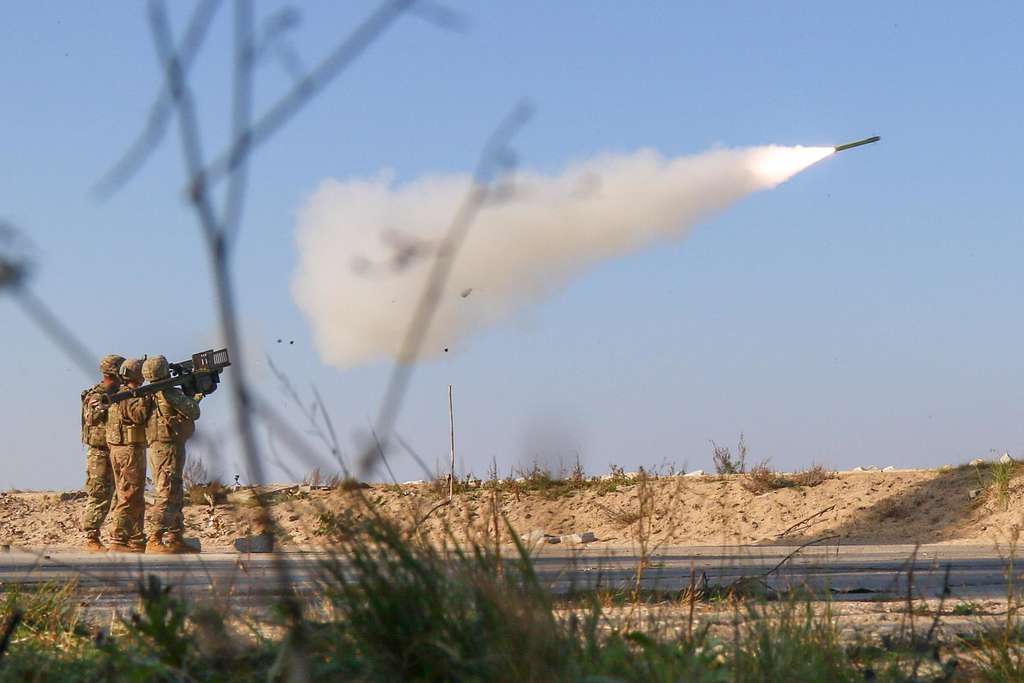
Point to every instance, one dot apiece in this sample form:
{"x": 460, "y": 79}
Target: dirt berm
{"x": 924, "y": 506}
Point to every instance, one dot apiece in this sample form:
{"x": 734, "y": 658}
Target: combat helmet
{"x": 109, "y": 365}
{"x": 155, "y": 368}
{"x": 131, "y": 371}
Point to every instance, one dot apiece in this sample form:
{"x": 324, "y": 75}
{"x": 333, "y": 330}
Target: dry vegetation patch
{"x": 762, "y": 479}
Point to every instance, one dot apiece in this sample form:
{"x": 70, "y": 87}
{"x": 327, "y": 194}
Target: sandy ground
{"x": 925, "y": 506}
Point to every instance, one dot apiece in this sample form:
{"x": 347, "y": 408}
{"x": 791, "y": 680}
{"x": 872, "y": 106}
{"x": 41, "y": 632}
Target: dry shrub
{"x": 201, "y": 488}
{"x": 812, "y": 476}
{"x": 725, "y": 462}
{"x": 204, "y": 494}
{"x": 762, "y": 479}
{"x": 318, "y": 480}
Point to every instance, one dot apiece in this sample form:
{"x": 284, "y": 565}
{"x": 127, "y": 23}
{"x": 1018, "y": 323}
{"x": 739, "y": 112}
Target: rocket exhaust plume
{"x": 366, "y": 245}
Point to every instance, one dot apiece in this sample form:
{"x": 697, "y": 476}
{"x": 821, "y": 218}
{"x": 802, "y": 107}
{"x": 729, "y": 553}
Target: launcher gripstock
{"x": 200, "y": 375}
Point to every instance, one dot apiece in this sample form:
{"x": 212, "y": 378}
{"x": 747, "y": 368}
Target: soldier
{"x": 171, "y": 423}
{"x": 126, "y": 438}
{"x": 99, "y": 477}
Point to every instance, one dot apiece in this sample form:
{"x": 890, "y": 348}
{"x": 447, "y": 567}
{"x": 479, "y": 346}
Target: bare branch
{"x": 57, "y": 331}
{"x": 160, "y": 113}
{"x": 307, "y": 87}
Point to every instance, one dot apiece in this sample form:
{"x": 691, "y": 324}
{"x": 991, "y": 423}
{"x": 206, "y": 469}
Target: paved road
{"x": 844, "y": 572}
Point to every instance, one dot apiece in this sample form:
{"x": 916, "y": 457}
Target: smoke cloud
{"x": 366, "y": 245}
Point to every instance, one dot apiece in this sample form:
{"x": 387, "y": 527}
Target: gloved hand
{"x": 198, "y": 397}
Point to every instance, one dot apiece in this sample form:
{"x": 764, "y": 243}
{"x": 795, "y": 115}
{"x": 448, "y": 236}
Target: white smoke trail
{"x": 365, "y": 246}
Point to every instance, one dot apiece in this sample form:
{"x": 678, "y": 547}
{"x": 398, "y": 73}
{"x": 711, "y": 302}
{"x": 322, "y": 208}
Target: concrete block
{"x": 259, "y": 543}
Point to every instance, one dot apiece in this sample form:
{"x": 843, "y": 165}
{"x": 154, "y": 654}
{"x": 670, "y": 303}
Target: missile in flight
{"x": 857, "y": 143}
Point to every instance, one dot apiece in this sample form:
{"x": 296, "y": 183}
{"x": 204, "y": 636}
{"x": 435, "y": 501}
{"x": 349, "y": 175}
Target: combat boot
{"x": 175, "y": 546}
{"x": 93, "y": 545}
{"x": 154, "y": 544}
{"x": 118, "y": 547}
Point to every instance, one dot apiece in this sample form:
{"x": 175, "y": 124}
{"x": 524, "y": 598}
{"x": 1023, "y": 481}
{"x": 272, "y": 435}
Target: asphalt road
{"x": 843, "y": 572}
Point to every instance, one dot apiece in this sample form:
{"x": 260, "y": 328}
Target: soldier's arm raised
{"x": 181, "y": 403}
{"x": 137, "y": 409}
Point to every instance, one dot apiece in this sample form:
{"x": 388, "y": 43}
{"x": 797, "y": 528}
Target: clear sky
{"x": 866, "y": 312}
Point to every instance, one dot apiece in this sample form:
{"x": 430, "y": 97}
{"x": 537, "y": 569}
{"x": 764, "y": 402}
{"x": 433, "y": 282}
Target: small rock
{"x": 260, "y": 543}
{"x": 695, "y": 473}
{"x": 552, "y": 539}
{"x": 976, "y": 462}
{"x": 973, "y": 493}
{"x": 890, "y": 468}
{"x": 1006, "y": 459}
{"x": 585, "y": 537}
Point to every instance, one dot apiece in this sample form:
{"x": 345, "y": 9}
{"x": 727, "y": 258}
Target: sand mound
{"x": 922, "y": 506}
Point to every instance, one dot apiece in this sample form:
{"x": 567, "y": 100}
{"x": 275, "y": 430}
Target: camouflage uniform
{"x": 99, "y": 482}
{"x": 126, "y": 438}
{"x": 171, "y": 423}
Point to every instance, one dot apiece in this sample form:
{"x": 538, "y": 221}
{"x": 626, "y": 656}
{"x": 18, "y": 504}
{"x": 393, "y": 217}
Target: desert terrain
{"x": 963, "y": 504}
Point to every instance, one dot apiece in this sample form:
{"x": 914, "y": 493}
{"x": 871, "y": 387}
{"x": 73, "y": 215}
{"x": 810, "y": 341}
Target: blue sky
{"x": 864, "y": 312}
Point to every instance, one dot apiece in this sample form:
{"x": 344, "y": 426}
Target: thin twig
{"x": 310, "y": 85}
{"x": 430, "y": 512}
{"x": 795, "y": 551}
{"x": 805, "y": 520}
{"x": 160, "y": 113}
{"x": 935, "y": 623}
{"x": 492, "y": 158}
{"x": 240, "y": 117}
{"x": 57, "y": 331}
{"x": 9, "y": 627}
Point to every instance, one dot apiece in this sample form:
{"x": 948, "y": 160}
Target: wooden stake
{"x": 451, "y": 425}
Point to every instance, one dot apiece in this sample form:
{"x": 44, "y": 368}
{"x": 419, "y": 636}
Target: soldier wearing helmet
{"x": 126, "y": 438}
{"x": 99, "y": 480}
{"x": 171, "y": 423}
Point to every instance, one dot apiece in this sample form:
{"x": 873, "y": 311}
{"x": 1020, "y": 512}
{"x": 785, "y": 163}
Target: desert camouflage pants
{"x": 166, "y": 462}
{"x": 129, "y": 464}
{"x": 99, "y": 489}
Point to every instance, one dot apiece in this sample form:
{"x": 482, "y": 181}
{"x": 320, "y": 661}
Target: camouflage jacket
{"x": 126, "y": 421}
{"x": 94, "y": 416}
{"x": 173, "y": 417}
